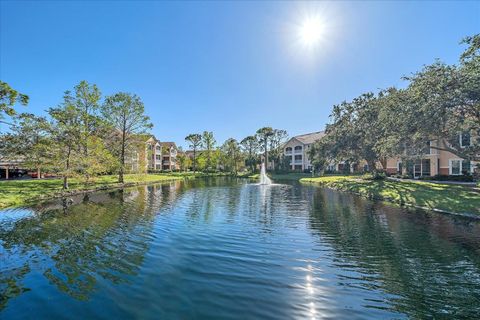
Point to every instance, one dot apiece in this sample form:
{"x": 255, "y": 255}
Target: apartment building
{"x": 296, "y": 150}
{"x": 147, "y": 155}
{"x": 435, "y": 162}
{"x": 169, "y": 156}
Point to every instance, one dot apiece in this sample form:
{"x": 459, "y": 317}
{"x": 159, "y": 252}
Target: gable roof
{"x": 168, "y": 144}
{"x": 309, "y": 138}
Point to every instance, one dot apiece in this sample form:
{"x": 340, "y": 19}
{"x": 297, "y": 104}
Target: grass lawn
{"x": 452, "y": 198}
{"x": 18, "y": 192}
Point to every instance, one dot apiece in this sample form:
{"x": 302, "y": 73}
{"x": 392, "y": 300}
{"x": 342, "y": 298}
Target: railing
{"x": 288, "y": 152}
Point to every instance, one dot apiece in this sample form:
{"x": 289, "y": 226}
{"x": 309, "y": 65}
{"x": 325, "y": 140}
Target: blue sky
{"x": 228, "y": 67}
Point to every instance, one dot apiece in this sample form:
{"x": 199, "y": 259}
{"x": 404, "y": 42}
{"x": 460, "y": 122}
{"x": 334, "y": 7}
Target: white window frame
{"x": 460, "y": 141}
{"x": 450, "y": 167}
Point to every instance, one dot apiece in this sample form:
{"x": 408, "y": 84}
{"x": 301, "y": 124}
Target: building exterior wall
{"x": 440, "y": 163}
{"x": 298, "y": 152}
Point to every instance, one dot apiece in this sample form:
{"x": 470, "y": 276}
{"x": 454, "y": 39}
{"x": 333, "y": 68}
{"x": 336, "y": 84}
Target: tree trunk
{"x": 67, "y": 167}
{"x": 65, "y": 182}
{"x": 371, "y": 166}
{"x": 122, "y": 158}
{"x": 266, "y": 155}
{"x": 38, "y": 172}
{"x": 194, "y": 158}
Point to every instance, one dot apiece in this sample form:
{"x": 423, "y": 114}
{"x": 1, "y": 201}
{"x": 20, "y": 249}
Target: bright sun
{"x": 311, "y": 31}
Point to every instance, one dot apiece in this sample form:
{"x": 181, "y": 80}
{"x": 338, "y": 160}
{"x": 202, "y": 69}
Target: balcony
{"x": 288, "y": 152}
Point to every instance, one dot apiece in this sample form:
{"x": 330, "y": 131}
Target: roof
{"x": 309, "y": 138}
{"x": 145, "y": 136}
{"x": 168, "y": 144}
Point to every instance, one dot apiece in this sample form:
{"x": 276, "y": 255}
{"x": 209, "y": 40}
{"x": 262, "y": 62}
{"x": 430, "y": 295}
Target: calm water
{"x": 228, "y": 249}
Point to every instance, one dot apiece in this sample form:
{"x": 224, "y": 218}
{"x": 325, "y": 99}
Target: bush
{"x": 401, "y": 176}
{"x": 460, "y": 178}
{"x": 373, "y": 176}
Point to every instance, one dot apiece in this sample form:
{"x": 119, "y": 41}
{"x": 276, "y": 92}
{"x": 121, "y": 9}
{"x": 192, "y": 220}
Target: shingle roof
{"x": 168, "y": 144}
{"x": 310, "y": 137}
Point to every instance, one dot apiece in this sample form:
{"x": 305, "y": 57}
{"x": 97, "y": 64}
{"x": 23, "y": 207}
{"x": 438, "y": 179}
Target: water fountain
{"x": 264, "y": 179}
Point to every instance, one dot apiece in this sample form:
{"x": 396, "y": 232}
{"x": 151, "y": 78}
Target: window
{"x": 464, "y": 140}
{"x": 298, "y": 157}
{"x": 298, "y": 148}
{"x": 466, "y": 167}
{"x": 426, "y": 150}
{"x": 288, "y": 150}
{"x": 455, "y": 166}
{"x": 158, "y": 157}
{"x": 399, "y": 166}
{"x": 288, "y": 159}
{"x": 159, "y": 148}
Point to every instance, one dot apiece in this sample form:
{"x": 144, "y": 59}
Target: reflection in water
{"x": 225, "y": 248}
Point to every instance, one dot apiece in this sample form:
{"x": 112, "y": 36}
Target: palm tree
{"x": 195, "y": 140}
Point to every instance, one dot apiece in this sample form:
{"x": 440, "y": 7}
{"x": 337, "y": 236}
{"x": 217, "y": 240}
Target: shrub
{"x": 373, "y": 176}
{"x": 461, "y": 178}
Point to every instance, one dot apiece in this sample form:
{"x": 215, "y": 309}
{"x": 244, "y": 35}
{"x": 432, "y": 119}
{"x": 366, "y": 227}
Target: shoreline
{"x": 346, "y": 183}
{"x": 56, "y": 193}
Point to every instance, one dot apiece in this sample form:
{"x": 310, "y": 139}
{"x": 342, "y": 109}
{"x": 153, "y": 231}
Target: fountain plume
{"x": 264, "y": 179}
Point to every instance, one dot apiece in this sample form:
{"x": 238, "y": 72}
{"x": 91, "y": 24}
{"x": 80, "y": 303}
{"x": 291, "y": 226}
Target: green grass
{"x": 18, "y": 192}
{"x": 451, "y": 198}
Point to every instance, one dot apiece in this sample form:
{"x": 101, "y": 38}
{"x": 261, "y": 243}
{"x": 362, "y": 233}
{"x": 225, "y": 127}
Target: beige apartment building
{"x": 296, "y": 150}
{"x": 169, "y": 156}
{"x": 432, "y": 162}
{"x": 154, "y": 155}
{"x": 435, "y": 162}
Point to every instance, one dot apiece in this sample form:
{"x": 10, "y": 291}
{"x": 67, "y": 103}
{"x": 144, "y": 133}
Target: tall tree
{"x": 184, "y": 161}
{"x": 353, "y": 134}
{"x": 263, "y": 135}
{"x": 65, "y": 132}
{"x": 125, "y": 113}
{"x": 77, "y": 129}
{"x": 250, "y": 146}
{"x": 277, "y": 139}
{"x": 28, "y": 140}
{"x": 208, "y": 143}
{"x": 232, "y": 154}
{"x": 446, "y": 99}
{"x": 195, "y": 141}
{"x": 8, "y": 98}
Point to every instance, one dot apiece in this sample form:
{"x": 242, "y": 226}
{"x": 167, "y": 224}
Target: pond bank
{"x": 451, "y": 199}
{"x": 21, "y": 192}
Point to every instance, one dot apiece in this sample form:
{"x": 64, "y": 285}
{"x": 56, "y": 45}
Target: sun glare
{"x": 311, "y": 31}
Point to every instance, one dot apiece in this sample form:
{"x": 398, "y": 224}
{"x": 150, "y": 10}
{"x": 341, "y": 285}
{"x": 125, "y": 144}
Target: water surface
{"x": 225, "y": 248}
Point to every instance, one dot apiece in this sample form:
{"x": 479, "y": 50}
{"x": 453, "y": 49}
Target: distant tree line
{"x": 234, "y": 156}
{"x": 440, "y": 102}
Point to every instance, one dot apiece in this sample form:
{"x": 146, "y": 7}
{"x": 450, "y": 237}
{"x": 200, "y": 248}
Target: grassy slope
{"x": 17, "y": 192}
{"x": 452, "y": 198}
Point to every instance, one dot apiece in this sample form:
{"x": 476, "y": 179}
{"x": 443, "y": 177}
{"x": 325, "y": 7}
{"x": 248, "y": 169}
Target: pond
{"x": 227, "y": 248}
